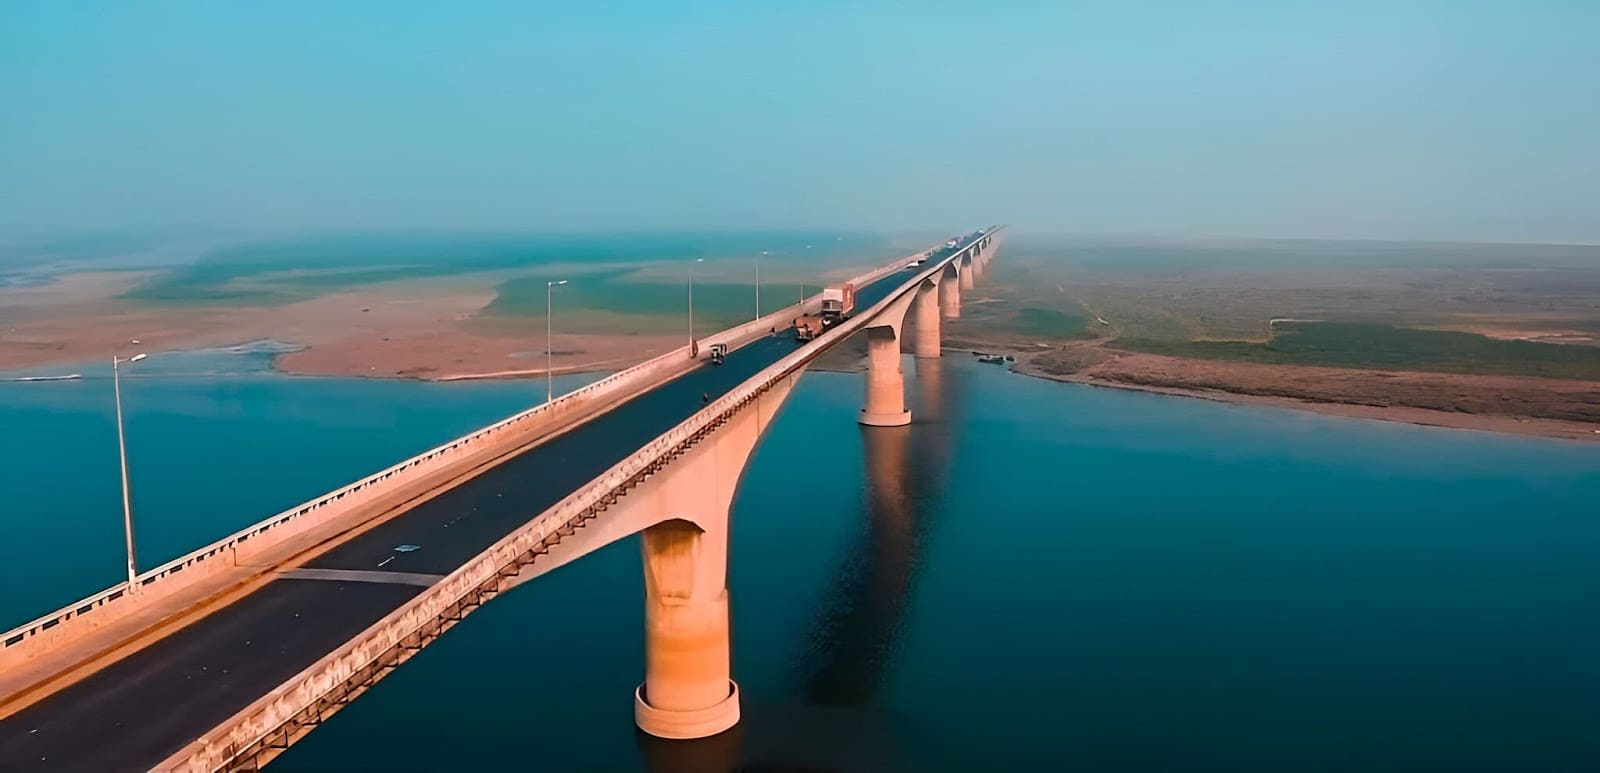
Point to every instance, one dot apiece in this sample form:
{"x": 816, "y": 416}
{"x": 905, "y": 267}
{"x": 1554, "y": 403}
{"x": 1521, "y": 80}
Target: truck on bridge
{"x": 838, "y": 301}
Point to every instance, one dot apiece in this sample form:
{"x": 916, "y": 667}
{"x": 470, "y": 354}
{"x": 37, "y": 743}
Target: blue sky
{"x": 1448, "y": 120}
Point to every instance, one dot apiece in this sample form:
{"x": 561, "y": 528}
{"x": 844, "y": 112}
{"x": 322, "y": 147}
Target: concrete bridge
{"x": 222, "y": 658}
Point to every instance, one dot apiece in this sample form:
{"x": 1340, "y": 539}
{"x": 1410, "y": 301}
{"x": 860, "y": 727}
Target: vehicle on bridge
{"x": 808, "y": 327}
{"x": 838, "y": 301}
{"x": 719, "y": 353}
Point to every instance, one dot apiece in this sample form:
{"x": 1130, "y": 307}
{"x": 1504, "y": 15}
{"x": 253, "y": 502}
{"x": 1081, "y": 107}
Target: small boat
{"x": 68, "y": 377}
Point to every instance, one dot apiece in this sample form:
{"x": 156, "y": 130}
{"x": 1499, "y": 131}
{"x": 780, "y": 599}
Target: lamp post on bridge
{"x": 122, "y": 457}
{"x": 758, "y": 283}
{"x": 691, "y": 304}
{"x": 549, "y": 356}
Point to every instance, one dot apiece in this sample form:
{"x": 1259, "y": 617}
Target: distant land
{"x": 409, "y": 304}
{"x": 1503, "y": 337}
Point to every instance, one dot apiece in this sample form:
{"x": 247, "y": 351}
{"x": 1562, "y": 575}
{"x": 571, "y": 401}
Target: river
{"x": 1033, "y": 575}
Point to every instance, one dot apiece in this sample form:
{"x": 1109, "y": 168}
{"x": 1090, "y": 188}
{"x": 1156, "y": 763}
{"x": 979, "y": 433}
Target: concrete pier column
{"x": 969, "y": 273}
{"x": 950, "y": 295}
{"x": 688, "y": 691}
{"x": 927, "y": 322}
{"x": 886, "y": 383}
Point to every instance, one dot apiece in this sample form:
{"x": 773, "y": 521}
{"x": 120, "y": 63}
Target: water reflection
{"x": 713, "y": 755}
{"x": 860, "y": 623}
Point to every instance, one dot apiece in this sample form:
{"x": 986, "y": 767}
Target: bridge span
{"x": 221, "y": 659}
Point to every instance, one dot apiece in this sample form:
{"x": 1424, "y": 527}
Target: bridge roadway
{"x": 139, "y": 710}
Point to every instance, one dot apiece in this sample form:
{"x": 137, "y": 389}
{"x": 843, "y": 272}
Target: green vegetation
{"x": 1051, "y": 323}
{"x": 278, "y": 271}
{"x": 715, "y": 303}
{"x": 1384, "y": 347}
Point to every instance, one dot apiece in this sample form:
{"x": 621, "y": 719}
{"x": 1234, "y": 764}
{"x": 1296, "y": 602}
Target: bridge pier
{"x": 682, "y": 514}
{"x": 927, "y": 342}
{"x": 886, "y": 382}
{"x": 950, "y": 294}
{"x": 688, "y": 690}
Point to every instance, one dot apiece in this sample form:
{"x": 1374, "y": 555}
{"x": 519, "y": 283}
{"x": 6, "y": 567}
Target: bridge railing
{"x": 225, "y": 545}
{"x": 263, "y": 718}
{"x": 202, "y": 561}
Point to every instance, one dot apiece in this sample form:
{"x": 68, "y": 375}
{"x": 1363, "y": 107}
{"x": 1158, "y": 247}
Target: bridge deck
{"x": 142, "y": 708}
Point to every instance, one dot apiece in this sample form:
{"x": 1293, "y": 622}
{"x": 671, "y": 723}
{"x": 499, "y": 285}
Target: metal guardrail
{"x": 50, "y": 620}
{"x": 443, "y": 604}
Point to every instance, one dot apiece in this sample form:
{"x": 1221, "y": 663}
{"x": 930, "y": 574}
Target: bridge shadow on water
{"x": 858, "y": 626}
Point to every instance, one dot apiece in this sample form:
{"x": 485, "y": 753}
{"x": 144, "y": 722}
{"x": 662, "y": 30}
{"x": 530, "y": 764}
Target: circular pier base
{"x": 683, "y": 725}
{"x": 870, "y": 419}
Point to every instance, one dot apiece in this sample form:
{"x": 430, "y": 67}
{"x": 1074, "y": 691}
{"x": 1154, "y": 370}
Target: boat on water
{"x": 997, "y": 359}
{"x": 67, "y": 377}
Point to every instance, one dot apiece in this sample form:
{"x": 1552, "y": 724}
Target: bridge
{"x": 222, "y": 658}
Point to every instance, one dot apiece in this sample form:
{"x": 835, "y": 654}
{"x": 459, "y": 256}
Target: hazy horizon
{"x": 1433, "y": 121}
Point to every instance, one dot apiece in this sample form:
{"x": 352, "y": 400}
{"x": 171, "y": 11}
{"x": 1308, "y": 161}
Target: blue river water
{"x": 1033, "y": 575}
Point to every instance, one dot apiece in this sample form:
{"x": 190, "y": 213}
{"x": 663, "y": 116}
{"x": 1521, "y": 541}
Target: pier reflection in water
{"x": 853, "y": 639}
{"x": 860, "y": 622}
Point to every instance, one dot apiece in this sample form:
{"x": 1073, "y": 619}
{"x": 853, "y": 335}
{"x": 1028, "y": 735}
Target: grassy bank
{"x": 1385, "y": 347}
{"x": 599, "y": 302}
{"x": 285, "y": 270}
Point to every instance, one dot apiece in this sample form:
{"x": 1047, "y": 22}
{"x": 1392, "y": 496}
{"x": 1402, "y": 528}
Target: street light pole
{"x": 549, "y": 356}
{"x": 691, "y": 303}
{"x": 122, "y": 456}
{"x": 758, "y": 284}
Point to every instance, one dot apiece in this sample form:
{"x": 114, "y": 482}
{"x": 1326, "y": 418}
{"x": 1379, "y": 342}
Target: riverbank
{"x": 424, "y": 331}
{"x": 1550, "y": 408}
{"x": 1382, "y": 396}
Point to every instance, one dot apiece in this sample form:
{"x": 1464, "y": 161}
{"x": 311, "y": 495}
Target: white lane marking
{"x": 360, "y": 575}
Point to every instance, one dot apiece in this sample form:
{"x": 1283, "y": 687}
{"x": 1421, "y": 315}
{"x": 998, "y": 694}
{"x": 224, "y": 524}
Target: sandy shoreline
{"x": 852, "y": 362}
{"x": 421, "y": 331}
{"x": 1404, "y": 414}
{"x": 1515, "y": 425}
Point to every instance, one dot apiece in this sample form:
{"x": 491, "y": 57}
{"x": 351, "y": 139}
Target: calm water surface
{"x": 216, "y": 441}
{"x": 1033, "y": 575}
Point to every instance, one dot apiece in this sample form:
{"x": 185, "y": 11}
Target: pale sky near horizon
{"x": 1426, "y": 120}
